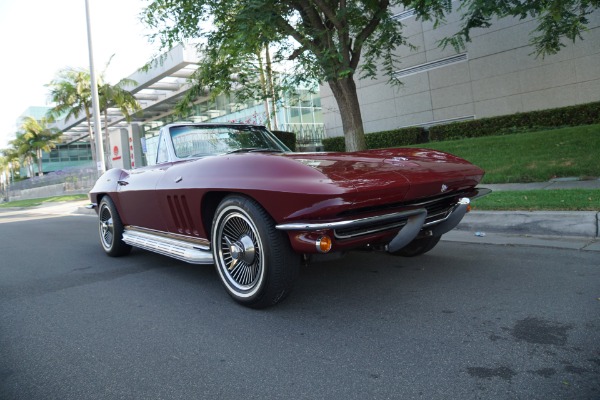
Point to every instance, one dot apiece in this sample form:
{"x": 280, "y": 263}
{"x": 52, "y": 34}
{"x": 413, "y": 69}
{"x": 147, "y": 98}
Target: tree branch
{"x": 366, "y": 33}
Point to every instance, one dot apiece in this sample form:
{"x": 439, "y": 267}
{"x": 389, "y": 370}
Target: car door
{"x": 138, "y": 196}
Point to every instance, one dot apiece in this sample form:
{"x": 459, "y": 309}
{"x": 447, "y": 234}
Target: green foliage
{"x": 70, "y": 91}
{"x": 555, "y": 19}
{"x": 288, "y": 138}
{"x": 395, "y": 138}
{"x": 34, "y": 137}
{"x": 326, "y": 41}
{"x": 380, "y": 140}
{"x": 334, "y": 144}
{"x": 584, "y": 114}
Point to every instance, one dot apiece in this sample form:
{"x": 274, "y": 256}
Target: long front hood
{"x": 393, "y": 175}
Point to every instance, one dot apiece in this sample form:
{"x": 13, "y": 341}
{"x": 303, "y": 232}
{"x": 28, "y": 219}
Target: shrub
{"x": 584, "y": 114}
{"x": 379, "y": 140}
{"x": 334, "y": 144}
{"x": 288, "y": 138}
{"x": 395, "y": 138}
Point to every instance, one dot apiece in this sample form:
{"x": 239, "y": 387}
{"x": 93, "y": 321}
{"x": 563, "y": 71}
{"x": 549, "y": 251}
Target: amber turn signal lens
{"x": 323, "y": 244}
{"x": 469, "y": 208}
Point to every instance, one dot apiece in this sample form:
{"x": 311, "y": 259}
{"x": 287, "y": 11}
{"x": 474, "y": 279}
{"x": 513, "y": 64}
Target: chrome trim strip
{"x": 179, "y": 249}
{"x": 199, "y": 242}
{"x": 307, "y": 226}
{"x": 437, "y": 199}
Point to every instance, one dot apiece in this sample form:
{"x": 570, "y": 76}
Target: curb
{"x": 546, "y": 223}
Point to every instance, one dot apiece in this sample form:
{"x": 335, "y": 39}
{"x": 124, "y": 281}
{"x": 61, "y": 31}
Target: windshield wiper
{"x": 253, "y": 150}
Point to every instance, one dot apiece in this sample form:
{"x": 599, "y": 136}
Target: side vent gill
{"x": 182, "y": 217}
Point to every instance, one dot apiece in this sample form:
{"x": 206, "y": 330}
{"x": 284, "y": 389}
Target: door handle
{"x": 122, "y": 183}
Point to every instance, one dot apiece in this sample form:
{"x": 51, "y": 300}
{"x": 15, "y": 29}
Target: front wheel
{"x": 418, "y": 246}
{"x": 110, "y": 228}
{"x": 254, "y": 260}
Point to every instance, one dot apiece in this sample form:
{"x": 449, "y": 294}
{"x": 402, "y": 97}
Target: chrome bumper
{"x": 410, "y": 224}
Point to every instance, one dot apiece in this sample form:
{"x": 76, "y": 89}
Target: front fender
{"x": 107, "y": 183}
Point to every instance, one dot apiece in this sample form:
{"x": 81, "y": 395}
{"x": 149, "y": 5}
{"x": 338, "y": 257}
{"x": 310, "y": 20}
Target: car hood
{"x": 404, "y": 174}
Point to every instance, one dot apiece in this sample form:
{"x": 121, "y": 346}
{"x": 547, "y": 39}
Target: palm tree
{"x": 39, "y": 137}
{"x": 26, "y": 153}
{"x": 71, "y": 93}
{"x": 11, "y": 157}
{"x": 4, "y": 176}
{"x": 116, "y": 96}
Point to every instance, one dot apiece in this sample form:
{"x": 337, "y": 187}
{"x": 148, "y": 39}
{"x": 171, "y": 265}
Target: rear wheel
{"x": 254, "y": 260}
{"x": 418, "y": 246}
{"x": 110, "y": 228}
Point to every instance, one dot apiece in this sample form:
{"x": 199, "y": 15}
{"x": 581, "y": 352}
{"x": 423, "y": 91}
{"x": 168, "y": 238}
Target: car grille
{"x": 346, "y": 233}
{"x": 437, "y": 210}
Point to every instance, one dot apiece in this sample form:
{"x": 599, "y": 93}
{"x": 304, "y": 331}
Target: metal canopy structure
{"x": 157, "y": 90}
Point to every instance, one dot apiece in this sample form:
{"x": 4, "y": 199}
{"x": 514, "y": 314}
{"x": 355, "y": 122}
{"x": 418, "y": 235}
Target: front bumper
{"x": 409, "y": 224}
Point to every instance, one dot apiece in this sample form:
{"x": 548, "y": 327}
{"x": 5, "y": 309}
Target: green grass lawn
{"x": 37, "y": 202}
{"x": 531, "y": 157}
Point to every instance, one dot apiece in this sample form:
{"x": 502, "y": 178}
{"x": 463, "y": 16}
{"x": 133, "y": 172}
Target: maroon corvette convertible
{"x": 235, "y": 196}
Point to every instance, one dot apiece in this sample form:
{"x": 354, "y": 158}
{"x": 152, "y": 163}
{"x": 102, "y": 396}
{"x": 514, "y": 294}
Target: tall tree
{"x": 336, "y": 40}
{"x": 26, "y": 153}
{"x": 36, "y": 138}
{"x": 71, "y": 94}
{"x": 5, "y": 174}
{"x": 12, "y": 160}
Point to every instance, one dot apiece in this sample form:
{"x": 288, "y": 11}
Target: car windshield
{"x": 199, "y": 141}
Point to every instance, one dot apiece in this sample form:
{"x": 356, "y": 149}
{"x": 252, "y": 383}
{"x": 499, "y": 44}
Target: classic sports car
{"x": 237, "y": 197}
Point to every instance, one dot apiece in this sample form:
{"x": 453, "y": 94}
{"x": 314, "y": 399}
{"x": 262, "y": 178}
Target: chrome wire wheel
{"x": 106, "y": 226}
{"x": 111, "y": 229}
{"x": 253, "y": 259}
{"x": 240, "y": 252}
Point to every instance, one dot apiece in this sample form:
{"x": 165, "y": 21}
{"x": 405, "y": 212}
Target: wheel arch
{"x": 210, "y": 202}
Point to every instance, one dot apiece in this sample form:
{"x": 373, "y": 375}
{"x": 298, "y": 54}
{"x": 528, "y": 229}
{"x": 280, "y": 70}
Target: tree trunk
{"x": 271, "y": 86}
{"x": 39, "y": 160}
{"x": 30, "y": 166}
{"x": 344, "y": 91}
{"x": 263, "y": 86}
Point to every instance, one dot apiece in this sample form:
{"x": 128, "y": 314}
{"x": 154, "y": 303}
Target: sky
{"x": 38, "y": 38}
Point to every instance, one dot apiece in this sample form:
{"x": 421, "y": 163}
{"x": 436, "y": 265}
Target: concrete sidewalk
{"x": 547, "y": 223}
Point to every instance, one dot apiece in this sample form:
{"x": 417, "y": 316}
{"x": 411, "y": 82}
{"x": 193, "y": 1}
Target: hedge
{"x": 584, "y": 114}
{"x": 379, "y": 140}
{"x": 288, "y": 138}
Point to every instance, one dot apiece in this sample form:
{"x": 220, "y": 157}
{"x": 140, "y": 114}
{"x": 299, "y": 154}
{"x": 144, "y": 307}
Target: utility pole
{"x": 95, "y": 103}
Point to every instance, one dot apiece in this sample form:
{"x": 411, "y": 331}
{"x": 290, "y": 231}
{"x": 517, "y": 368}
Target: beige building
{"x": 495, "y": 75}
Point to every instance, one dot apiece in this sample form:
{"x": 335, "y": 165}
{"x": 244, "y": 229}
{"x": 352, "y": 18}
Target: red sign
{"x": 116, "y": 153}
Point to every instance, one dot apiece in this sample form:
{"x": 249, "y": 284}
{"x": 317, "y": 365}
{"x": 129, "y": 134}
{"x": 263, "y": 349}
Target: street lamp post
{"x": 95, "y": 103}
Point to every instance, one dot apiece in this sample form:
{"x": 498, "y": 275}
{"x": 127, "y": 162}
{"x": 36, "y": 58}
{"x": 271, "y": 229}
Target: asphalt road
{"x": 466, "y": 321}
